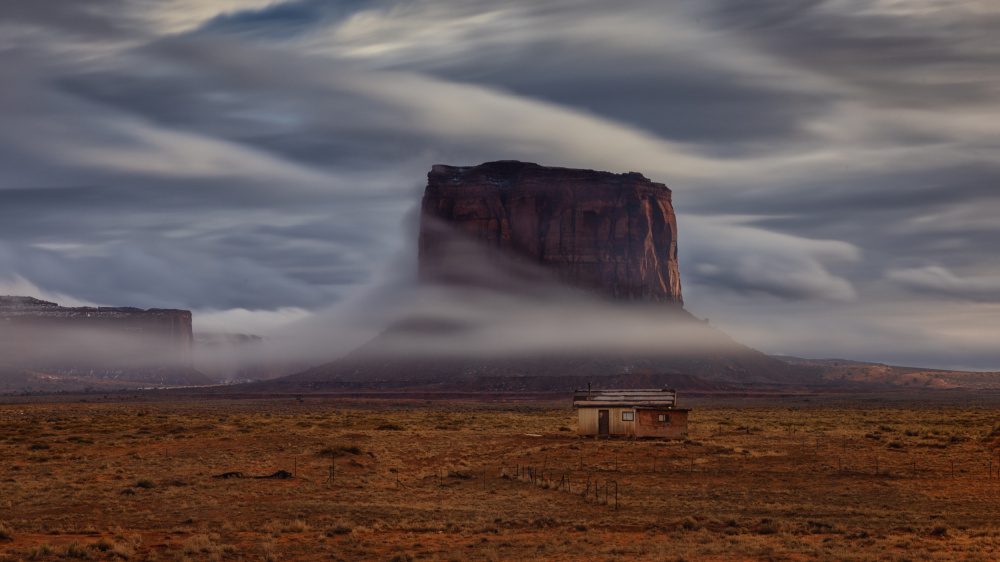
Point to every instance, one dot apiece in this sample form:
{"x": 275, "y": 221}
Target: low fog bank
{"x": 96, "y": 352}
{"x": 472, "y": 303}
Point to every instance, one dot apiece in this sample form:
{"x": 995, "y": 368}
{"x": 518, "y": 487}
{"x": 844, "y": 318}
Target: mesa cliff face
{"x": 118, "y": 343}
{"x": 168, "y": 326}
{"x": 613, "y": 234}
{"x": 513, "y": 225}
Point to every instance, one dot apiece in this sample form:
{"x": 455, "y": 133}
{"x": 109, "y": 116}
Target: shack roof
{"x": 639, "y": 397}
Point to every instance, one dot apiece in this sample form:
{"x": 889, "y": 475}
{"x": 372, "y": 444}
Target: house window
{"x": 663, "y": 418}
{"x": 628, "y": 416}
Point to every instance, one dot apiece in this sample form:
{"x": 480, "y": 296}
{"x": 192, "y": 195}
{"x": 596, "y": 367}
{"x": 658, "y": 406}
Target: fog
{"x": 486, "y": 304}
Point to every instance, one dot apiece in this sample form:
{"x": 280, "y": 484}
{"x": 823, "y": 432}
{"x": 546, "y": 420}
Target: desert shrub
{"x": 894, "y": 445}
{"x": 339, "y": 450}
{"x": 103, "y": 544}
{"x": 5, "y": 533}
{"x": 297, "y": 526}
{"x": 689, "y": 524}
{"x": 564, "y": 428}
{"x": 40, "y": 551}
{"x": 390, "y": 427}
{"x": 267, "y": 549}
{"x": 939, "y": 531}
{"x": 122, "y": 551}
{"x": 76, "y": 550}
{"x": 197, "y": 543}
{"x": 341, "y": 527}
{"x": 767, "y": 527}
{"x": 145, "y": 483}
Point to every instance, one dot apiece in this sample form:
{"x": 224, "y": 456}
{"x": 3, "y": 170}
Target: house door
{"x": 603, "y": 422}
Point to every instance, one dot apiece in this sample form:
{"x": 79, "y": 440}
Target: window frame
{"x": 663, "y": 418}
{"x": 630, "y": 414}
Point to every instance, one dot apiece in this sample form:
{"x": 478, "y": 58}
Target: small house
{"x": 647, "y": 412}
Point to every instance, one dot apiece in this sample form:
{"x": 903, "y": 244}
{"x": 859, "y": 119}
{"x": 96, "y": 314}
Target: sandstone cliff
{"x": 614, "y": 234}
{"x": 115, "y": 343}
{"x": 173, "y": 327}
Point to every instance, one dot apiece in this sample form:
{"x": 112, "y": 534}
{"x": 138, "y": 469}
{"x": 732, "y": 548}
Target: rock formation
{"x": 610, "y": 234}
{"x": 172, "y": 327}
{"x": 614, "y": 234}
{"x": 118, "y": 343}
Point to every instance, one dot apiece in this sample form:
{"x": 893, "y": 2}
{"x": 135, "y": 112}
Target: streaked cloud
{"x": 833, "y": 162}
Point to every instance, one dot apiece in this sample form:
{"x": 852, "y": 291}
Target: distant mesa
{"x": 612, "y": 234}
{"x": 516, "y": 226}
{"x": 118, "y": 343}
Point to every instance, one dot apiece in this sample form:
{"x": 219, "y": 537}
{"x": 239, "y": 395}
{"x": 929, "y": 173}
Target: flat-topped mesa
{"x": 165, "y": 330}
{"x": 613, "y": 234}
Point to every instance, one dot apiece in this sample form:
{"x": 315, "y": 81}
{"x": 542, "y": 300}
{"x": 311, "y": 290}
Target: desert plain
{"x": 133, "y": 476}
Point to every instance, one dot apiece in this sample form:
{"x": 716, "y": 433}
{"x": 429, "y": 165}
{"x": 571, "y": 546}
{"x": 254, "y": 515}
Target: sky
{"x": 834, "y": 164}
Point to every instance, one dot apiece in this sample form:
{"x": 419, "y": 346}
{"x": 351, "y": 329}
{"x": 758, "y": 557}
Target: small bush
{"x": 390, "y": 427}
{"x": 5, "y": 533}
{"x": 339, "y": 528}
{"x": 40, "y": 551}
{"x": 767, "y": 527}
{"x": 339, "y": 450}
{"x": 939, "y": 531}
{"x": 76, "y": 550}
{"x": 689, "y": 524}
{"x": 197, "y": 543}
{"x": 145, "y": 483}
{"x": 122, "y": 551}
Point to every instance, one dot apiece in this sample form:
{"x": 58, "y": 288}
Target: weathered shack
{"x": 647, "y": 412}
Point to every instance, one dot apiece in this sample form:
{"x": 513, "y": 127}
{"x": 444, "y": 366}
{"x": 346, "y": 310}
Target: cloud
{"x": 938, "y": 280}
{"x": 284, "y": 19}
{"x": 262, "y": 155}
{"x": 15, "y": 285}
{"x": 731, "y": 254}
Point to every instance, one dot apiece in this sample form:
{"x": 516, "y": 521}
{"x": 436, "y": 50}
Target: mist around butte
{"x": 260, "y": 163}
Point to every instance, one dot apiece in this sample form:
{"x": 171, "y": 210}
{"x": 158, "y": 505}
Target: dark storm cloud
{"x": 182, "y": 251}
{"x": 825, "y": 157}
{"x": 97, "y": 18}
{"x": 923, "y": 58}
{"x": 659, "y": 92}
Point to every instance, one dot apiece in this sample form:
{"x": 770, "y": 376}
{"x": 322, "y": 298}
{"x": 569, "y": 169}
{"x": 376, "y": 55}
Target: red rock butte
{"x": 613, "y": 234}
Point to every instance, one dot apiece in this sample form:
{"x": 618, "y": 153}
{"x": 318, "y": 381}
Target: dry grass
{"x": 133, "y": 481}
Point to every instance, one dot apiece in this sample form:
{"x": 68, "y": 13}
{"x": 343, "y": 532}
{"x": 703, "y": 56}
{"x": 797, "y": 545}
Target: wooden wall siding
{"x": 587, "y": 421}
{"x": 647, "y": 424}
